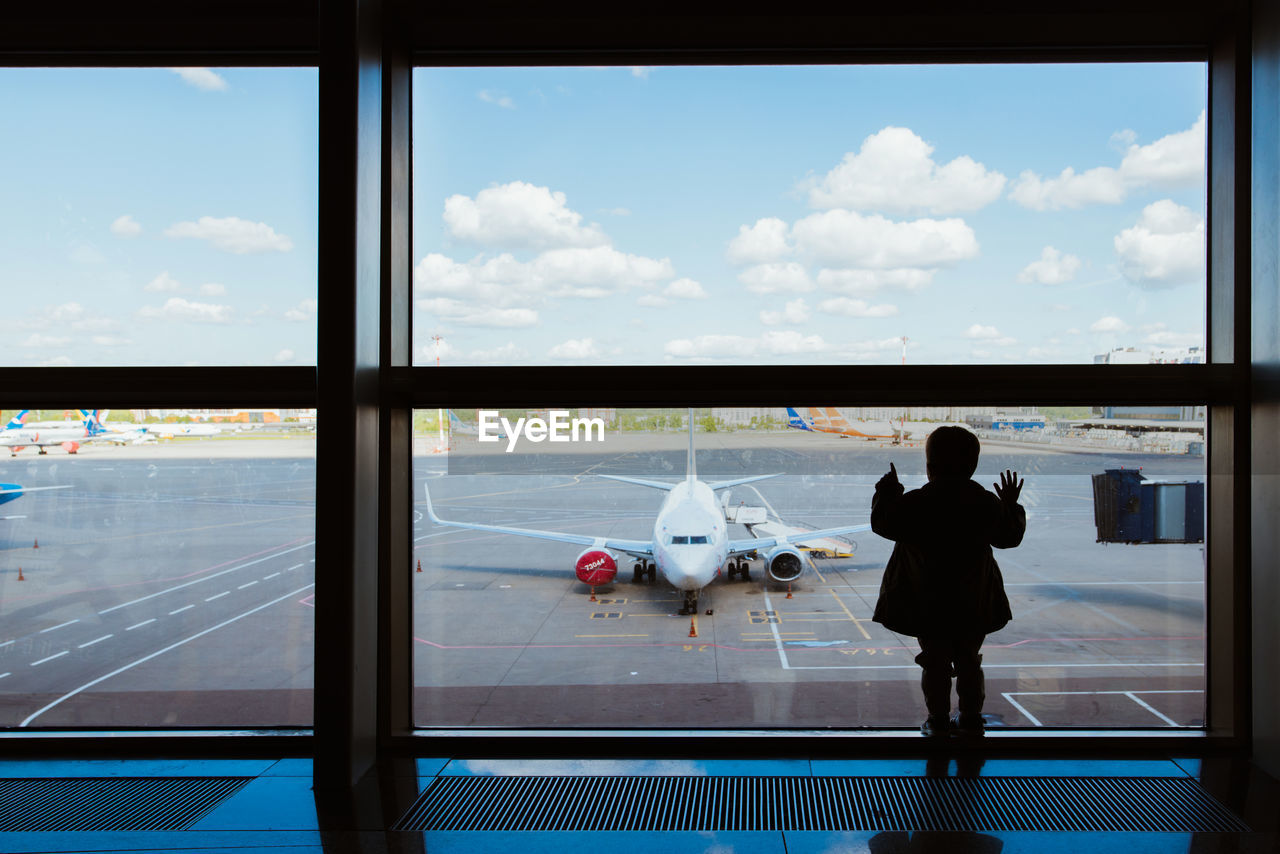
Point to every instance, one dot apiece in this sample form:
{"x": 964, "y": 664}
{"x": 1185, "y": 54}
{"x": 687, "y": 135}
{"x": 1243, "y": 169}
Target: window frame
{"x": 366, "y": 387}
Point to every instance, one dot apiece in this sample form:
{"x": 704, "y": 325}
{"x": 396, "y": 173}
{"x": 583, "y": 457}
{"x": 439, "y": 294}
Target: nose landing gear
{"x": 690, "y": 605}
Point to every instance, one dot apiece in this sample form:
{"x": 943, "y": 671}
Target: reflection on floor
{"x": 274, "y": 808}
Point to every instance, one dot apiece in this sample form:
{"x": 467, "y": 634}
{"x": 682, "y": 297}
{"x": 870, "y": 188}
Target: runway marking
{"x": 59, "y": 626}
{"x": 218, "y": 595}
{"x": 243, "y": 586}
{"x": 2, "y": 675}
{"x": 205, "y": 578}
{"x": 985, "y": 666}
{"x": 1132, "y": 695}
{"x": 773, "y": 628}
{"x": 610, "y": 636}
{"x": 272, "y": 575}
{"x": 95, "y": 640}
{"x": 26, "y": 721}
{"x": 852, "y": 618}
{"x": 1022, "y": 709}
{"x": 292, "y": 568}
{"x": 6, "y": 643}
{"x": 50, "y": 658}
{"x": 180, "y": 610}
{"x": 140, "y": 625}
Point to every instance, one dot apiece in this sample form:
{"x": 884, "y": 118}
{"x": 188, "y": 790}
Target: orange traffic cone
{"x": 593, "y": 595}
{"x": 419, "y": 566}
{"x": 693, "y": 627}
{"x": 788, "y": 589}
{"x": 36, "y": 544}
{"x": 21, "y": 577}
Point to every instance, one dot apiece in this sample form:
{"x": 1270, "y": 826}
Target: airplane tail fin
{"x": 794, "y": 419}
{"x": 692, "y": 467}
{"x": 92, "y": 422}
{"x": 18, "y": 420}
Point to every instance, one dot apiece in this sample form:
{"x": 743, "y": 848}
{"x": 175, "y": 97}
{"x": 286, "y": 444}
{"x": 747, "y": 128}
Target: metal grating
{"x": 1141, "y": 804}
{"x": 114, "y": 803}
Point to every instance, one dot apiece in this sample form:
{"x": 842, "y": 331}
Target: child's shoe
{"x": 935, "y": 727}
{"x": 967, "y": 724}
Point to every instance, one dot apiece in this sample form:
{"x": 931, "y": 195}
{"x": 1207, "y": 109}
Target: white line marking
{"x": 60, "y": 625}
{"x": 292, "y": 568}
{"x": 6, "y": 643}
{"x": 777, "y": 640}
{"x": 206, "y": 578}
{"x": 1170, "y": 721}
{"x": 986, "y": 666}
{"x": 180, "y": 610}
{"x": 50, "y": 658}
{"x": 2, "y": 675}
{"x": 146, "y": 658}
{"x": 1034, "y": 721}
{"x": 1144, "y": 691}
{"x": 219, "y": 595}
{"x": 96, "y": 640}
{"x": 243, "y": 586}
{"x": 140, "y": 625}
{"x": 272, "y": 575}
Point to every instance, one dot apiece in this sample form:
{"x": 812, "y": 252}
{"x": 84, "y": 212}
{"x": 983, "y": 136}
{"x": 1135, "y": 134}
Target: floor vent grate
{"x": 110, "y": 803}
{"x": 1140, "y": 804}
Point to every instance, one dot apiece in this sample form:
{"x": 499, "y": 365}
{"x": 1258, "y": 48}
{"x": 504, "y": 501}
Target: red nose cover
{"x": 596, "y": 567}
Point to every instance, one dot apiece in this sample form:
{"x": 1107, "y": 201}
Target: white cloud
{"x": 684, "y": 289}
{"x": 213, "y": 289}
{"x": 1053, "y": 268}
{"x": 762, "y": 243}
{"x": 845, "y": 239}
{"x": 773, "y": 343}
{"x": 1109, "y": 323}
{"x": 125, "y": 226}
{"x": 867, "y": 350}
{"x": 519, "y": 216}
{"x": 1175, "y": 160}
{"x": 202, "y": 78}
{"x": 1174, "y": 340}
{"x": 232, "y": 234}
{"x": 641, "y": 71}
{"x": 177, "y": 308}
{"x": 37, "y": 340}
{"x": 162, "y": 283}
{"x": 788, "y": 277}
{"x": 1165, "y": 248}
{"x": 847, "y": 307}
{"x": 795, "y": 311}
{"x": 285, "y": 355}
{"x": 466, "y": 314}
{"x": 982, "y": 332}
{"x": 894, "y": 172}
{"x": 506, "y": 354}
{"x": 866, "y": 282}
{"x": 57, "y": 362}
{"x": 576, "y": 348}
{"x": 303, "y": 311}
{"x": 498, "y": 98}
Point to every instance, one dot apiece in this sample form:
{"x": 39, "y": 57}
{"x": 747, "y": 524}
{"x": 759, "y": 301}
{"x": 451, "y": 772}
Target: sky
{"x": 672, "y": 215}
{"x": 665, "y": 215}
{"x": 158, "y": 216}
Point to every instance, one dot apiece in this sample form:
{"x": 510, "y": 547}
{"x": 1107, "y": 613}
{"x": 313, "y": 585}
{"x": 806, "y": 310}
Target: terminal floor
{"x": 278, "y": 811}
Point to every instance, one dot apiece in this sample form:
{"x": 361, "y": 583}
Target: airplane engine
{"x": 70, "y": 447}
{"x": 784, "y": 563}
{"x": 596, "y": 567}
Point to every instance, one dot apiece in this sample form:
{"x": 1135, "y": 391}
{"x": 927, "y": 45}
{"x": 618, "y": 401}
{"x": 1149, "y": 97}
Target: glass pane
{"x": 159, "y": 216}
{"x": 927, "y": 215}
{"x": 1106, "y": 589}
{"x": 160, "y": 572}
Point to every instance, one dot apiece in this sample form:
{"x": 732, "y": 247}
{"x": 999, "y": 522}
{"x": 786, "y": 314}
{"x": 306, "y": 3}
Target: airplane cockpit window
{"x": 679, "y": 541}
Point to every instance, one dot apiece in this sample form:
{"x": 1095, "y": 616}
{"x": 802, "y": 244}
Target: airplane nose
{"x": 691, "y": 571}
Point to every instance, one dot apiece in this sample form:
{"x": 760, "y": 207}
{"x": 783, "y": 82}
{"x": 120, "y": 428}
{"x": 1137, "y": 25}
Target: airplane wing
{"x": 639, "y": 481}
{"x": 638, "y": 548}
{"x": 737, "y": 547}
{"x": 10, "y": 488}
{"x": 725, "y": 484}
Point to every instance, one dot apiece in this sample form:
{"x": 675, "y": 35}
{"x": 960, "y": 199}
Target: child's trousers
{"x": 944, "y": 655}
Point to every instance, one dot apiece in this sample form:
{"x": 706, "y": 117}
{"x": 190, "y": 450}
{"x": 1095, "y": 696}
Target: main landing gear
{"x": 740, "y": 568}
{"x": 644, "y": 570}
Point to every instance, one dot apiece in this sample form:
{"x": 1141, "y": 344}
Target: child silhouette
{"x": 942, "y": 585}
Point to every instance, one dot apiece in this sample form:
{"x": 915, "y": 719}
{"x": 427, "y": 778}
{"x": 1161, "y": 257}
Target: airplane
{"x": 116, "y": 434}
{"x": 826, "y": 419}
{"x": 12, "y": 492}
{"x": 690, "y": 541}
{"x": 16, "y": 436}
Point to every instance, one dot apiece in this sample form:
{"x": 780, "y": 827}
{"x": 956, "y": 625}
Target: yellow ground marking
{"x": 607, "y": 615}
{"x": 852, "y": 618}
{"x": 610, "y": 636}
{"x": 821, "y": 578}
{"x": 167, "y": 532}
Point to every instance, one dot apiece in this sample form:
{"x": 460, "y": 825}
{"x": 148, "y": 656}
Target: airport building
{"x": 335, "y": 640}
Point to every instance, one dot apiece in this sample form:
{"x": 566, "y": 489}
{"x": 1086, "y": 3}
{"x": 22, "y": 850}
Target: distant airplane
{"x": 690, "y": 541}
{"x": 166, "y": 430}
{"x": 116, "y": 434}
{"x": 12, "y": 492}
{"x": 16, "y": 436}
{"x": 457, "y": 425}
{"x": 826, "y": 419}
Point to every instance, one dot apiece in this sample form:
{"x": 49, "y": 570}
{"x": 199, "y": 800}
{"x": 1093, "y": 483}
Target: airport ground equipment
{"x": 1128, "y": 508}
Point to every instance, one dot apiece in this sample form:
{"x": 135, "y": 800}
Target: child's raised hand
{"x": 1009, "y": 487}
{"x": 890, "y": 480}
